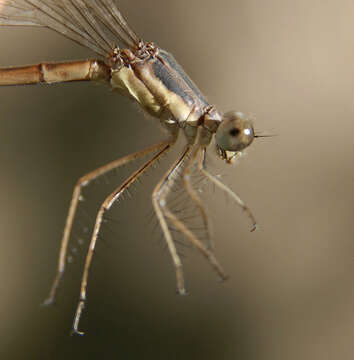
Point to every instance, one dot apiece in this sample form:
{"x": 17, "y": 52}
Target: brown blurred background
{"x": 291, "y": 291}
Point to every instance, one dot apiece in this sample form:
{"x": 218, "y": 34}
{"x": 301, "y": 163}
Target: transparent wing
{"x": 95, "y": 24}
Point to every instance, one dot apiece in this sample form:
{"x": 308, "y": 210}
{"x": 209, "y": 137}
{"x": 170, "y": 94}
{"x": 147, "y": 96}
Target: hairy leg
{"x": 159, "y": 203}
{"x": 106, "y": 205}
{"x": 226, "y": 189}
{"x": 163, "y": 214}
{"x": 82, "y": 182}
{"x": 194, "y": 196}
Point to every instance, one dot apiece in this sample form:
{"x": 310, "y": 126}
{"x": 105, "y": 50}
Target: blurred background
{"x": 291, "y": 289}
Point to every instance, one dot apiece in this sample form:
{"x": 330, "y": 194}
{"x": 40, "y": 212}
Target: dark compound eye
{"x": 234, "y": 132}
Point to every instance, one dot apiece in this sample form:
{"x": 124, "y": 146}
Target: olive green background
{"x": 291, "y": 289}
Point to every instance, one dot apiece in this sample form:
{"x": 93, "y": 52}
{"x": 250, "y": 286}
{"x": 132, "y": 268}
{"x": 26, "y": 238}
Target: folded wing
{"x": 95, "y": 24}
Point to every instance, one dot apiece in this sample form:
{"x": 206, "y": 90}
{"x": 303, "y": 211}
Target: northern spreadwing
{"x": 151, "y": 77}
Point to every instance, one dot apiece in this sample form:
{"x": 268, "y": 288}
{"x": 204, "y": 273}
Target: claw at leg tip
{"x": 47, "y": 302}
{"x": 75, "y": 332}
{"x": 254, "y": 227}
{"x": 181, "y": 292}
{"x": 224, "y": 278}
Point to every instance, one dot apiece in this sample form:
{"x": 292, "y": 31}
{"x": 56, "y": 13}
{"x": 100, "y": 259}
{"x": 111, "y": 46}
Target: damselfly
{"x": 151, "y": 77}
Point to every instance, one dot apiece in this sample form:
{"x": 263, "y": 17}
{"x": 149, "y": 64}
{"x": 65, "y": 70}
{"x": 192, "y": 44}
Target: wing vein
{"x": 95, "y": 24}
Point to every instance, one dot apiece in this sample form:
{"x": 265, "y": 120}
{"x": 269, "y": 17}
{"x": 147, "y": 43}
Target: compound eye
{"x": 235, "y": 132}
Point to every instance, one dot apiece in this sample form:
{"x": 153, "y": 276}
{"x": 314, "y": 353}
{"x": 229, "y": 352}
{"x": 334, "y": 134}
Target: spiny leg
{"x": 187, "y": 232}
{"x": 106, "y": 205}
{"x": 83, "y": 181}
{"x": 196, "y": 242}
{"x": 159, "y": 202}
{"x": 194, "y": 196}
{"x": 226, "y": 189}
